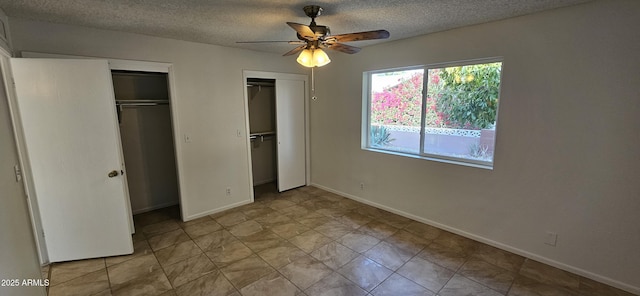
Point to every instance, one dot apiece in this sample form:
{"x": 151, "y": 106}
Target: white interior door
{"x": 290, "y": 125}
{"x": 67, "y": 111}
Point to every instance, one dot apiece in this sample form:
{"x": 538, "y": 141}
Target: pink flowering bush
{"x": 398, "y": 104}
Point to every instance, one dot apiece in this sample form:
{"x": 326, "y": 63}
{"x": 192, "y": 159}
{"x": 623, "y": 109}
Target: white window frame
{"x": 366, "y": 113}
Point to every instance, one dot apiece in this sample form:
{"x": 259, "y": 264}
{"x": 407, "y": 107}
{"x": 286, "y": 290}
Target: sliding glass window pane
{"x": 395, "y": 114}
{"x": 462, "y": 104}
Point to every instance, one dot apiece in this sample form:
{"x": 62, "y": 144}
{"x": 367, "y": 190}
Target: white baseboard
{"x": 256, "y": 183}
{"x": 560, "y": 265}
{"x": 154, "y": 207}
{"x": 218, "y": 210}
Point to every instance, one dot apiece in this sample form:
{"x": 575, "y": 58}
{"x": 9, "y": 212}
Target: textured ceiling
{"x": 223, "y": 22}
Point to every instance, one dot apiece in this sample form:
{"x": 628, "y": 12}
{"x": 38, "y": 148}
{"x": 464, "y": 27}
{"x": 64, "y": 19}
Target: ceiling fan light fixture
{"x": 313, "y": 37}
{"x": 313, "y": 58}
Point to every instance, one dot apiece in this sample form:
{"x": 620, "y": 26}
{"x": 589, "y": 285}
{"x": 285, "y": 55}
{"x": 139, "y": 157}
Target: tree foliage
{"x": 469, "y": 96}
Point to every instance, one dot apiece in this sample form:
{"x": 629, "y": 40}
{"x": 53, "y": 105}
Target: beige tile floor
{"x": 308, "y": 242}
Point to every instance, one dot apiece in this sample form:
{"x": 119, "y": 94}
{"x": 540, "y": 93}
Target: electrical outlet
{"x": 551, "y": 238}
{"x": 361, "y": 186}
{"x": 228, "y": 191}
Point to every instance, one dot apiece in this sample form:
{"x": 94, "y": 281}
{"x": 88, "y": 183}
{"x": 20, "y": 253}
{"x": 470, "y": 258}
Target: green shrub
{"x": 380, "y": 136}
{"x": 479, "y": 151}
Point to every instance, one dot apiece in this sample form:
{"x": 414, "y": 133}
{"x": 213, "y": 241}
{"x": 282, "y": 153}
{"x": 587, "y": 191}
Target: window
{"x": 444, "y": 112}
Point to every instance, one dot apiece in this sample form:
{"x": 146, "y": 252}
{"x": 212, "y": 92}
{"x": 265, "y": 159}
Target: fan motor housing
{"x": 320, "y": 31}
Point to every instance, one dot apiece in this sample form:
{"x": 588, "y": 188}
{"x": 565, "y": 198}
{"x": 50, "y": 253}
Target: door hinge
{"x": 18, "y": 171}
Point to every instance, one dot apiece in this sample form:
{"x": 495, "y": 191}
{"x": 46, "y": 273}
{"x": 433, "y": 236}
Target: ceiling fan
{"x": 313, "y": 38}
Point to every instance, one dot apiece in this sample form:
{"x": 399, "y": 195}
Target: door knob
{"x": 112, "y": 174}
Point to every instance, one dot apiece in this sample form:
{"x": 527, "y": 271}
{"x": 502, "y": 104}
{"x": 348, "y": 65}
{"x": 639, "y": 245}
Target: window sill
{"x": 430, "y": 158}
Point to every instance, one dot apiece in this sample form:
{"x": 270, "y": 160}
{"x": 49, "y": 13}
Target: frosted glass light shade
{"x": 313, "y": 58}
{"x": 320, "y": 58}
{"x": 305, "y": 58}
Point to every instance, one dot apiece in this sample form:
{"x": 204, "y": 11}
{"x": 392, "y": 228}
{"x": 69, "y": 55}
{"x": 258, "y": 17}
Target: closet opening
{"x": 276, "y": 111}
{"x": 144, "y": 117}
{"x": 262, "y": 132}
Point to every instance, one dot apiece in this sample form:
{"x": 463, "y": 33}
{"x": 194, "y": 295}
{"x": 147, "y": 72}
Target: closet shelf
{"x": 270, "y": 133}
{"x": 262, "y": 135}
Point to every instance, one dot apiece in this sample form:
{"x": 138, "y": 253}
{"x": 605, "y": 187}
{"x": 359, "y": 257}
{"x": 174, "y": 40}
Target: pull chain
{"x": 313, "y": 85}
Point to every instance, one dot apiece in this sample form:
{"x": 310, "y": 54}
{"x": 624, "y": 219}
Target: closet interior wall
{"x": 144, "y": 115}
{"x": 262, "y": 127}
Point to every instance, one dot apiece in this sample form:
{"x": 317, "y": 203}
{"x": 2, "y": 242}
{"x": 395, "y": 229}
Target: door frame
{"x": 246, "y": 74}
{"x": 114, "y": 64}
{"x": 23, "y": 159}
{"x": 5, "y": 57}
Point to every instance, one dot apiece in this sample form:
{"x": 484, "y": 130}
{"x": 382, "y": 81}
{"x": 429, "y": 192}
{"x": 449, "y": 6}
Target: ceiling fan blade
{"x": 266, "y": 41}
{"x": 295, "y": 50}
{"x": 368, "y": 35}
{"x": 303, "y": 30}
{"x": 343, "y": 48}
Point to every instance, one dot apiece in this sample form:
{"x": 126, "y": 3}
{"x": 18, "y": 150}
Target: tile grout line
{"x": 336, "y": 219}
{"x": 483, "y": 284}
{"x": 405, "y": 263}
{"x": 362, "y": 254}
{"x": 49, "y": 277}
{"x": 152, "y": 250}
{"x": 108, "y": 277}
{"x": 50, "y": 272}
{"x": 162, "y": 268}
{"x": 309, "y": 254}
{"x": 287, "y": 240}
{"x": 365, "y": 256}
{"x": 205, "y": 254}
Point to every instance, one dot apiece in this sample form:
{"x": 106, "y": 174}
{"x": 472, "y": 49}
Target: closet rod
{"x": 129, "y": 102}
{"x": 141, "y": 104}
{"x": 134, "y": 73}
{"x": 269, "y": 133}
{"x": 262, "y": 137}
{"x": 266, "y": 84}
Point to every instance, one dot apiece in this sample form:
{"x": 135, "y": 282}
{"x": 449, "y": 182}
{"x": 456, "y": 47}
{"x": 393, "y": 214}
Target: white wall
{"x": 567, "y": 140}
{"x": 210, "y": 101}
